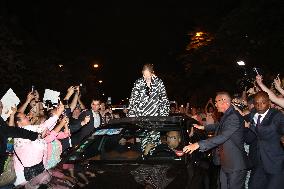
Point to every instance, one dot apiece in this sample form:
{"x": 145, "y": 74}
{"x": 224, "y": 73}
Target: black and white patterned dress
{"x": 149, "y": 101}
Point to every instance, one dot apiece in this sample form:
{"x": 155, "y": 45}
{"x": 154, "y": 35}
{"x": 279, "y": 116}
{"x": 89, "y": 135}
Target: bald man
{"x": 228, "y": 143}
{"x": 266, "y": 150}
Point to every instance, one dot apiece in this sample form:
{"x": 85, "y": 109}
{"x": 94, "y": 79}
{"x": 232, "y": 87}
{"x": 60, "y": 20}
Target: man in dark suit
{"x": 228, "y": 143}
{"x": 95, "y": 122}
{"x": 266, "y": 150}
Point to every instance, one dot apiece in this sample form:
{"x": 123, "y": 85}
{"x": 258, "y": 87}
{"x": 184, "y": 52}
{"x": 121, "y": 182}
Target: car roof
{"x": 152, "y": 122}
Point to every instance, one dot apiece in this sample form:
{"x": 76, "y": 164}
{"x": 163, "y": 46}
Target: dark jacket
{"x": 265, "y": 146}
{"x": 86, "y": 129}
{"x": 14, "y": 132}
{"x": 229, "y": 140}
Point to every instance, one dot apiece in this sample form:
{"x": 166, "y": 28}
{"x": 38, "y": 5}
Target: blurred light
{"x": 199, "y": 39}
{"x": 100, "y": 81}
{"x": 60, "y": 65}
{"x": 241, "y": 63}
{"x": 103, "y": 94}
{"x": 96, "y": 65}
{"x": 198, "y": 34}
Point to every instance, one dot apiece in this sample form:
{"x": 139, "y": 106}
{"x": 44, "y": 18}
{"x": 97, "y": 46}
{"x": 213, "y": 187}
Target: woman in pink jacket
{"x": 29, "y": 152}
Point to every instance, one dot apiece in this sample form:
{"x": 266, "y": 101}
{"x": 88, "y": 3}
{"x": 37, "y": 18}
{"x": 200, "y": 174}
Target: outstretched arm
{"x": 272, "y": 96}
{"x": 277, "y": 83}
{"x": 208, "y": 103}
{"x": 215, "y": 141}
{"x": 28, "y": 100}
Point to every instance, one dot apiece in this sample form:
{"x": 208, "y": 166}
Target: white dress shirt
{"x": 97, "y": 119}
{"x": 255, "y": 117}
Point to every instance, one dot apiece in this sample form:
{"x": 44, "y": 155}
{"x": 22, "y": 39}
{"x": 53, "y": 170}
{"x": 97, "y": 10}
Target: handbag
{"x": 33, "y": 171}
{"x": 9, "y": 175}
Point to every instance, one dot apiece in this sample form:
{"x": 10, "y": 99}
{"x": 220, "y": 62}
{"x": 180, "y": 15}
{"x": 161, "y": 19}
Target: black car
{"x": 144, "y": 152}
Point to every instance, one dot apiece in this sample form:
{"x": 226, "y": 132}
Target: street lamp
{"x": 241, "y": 63}
{"x": 96, "y": 65}
{"x": 100, "y": 81}
{"x": 60, "y": 65}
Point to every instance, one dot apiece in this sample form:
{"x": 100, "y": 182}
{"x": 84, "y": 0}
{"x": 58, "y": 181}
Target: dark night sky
{"x": 121, "y": 35}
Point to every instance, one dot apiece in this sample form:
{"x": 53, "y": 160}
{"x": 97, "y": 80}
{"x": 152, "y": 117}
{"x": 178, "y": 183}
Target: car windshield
{"x": 125, "y": 142}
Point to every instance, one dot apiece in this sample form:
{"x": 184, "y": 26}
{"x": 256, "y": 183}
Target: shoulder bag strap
{"x": 19, "y": 158}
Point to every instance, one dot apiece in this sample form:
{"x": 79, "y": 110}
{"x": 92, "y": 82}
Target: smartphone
{"x": 256, "y": 70}
{"x": 33, "y": 89}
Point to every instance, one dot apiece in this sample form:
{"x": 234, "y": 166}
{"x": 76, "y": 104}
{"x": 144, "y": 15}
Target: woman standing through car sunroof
{"x": 148, "y": 96}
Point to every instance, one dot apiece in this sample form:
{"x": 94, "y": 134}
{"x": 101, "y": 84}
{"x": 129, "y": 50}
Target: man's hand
{"x": 70, "y": 90}
{"x": 65, "y": 120}
{"x": 258, "y": 79}
{"x": 247, "y": 124}
{"x": 191, "y": 148}
{"x": 30, "y": 97}
{"x": 277, "y": 83}
{"x": 200, "y": 127}
{"x": 282, "y": 139}
{"x": 14, "y": 110}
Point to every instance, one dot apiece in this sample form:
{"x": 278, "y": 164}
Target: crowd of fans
{"x": 40, "y": 134}
{"x": 36, "y": 136}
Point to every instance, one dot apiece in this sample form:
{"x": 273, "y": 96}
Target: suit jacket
{"x": 265, "y": 147}
{"x": 87, "y": 129}
{"x": 229, "y": 140}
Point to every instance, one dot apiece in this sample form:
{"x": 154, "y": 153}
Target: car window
{"x": 131, "y": 144}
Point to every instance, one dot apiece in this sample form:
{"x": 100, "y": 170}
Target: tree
{"x": 253, "y": 32}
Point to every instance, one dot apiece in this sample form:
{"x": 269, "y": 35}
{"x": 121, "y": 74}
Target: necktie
{"x": 258, "y": 122}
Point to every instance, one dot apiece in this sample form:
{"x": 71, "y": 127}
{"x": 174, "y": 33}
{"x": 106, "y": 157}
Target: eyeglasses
{"x": 172, "y": 137}
{"x": 216, "y": 101}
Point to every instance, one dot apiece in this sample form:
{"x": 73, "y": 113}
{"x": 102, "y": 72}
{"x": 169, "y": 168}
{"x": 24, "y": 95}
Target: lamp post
{"x": 96, "y": 66}
{"x": 242, "y": 64}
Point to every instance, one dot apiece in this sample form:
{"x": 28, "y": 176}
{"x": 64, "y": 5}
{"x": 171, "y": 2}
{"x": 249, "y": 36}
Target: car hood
{"x": 126, "y": 174}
